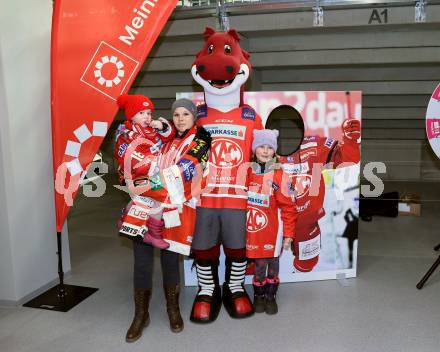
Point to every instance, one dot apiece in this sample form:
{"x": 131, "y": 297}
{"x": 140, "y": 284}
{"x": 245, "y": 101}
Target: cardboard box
{"x": 409, "y": 205}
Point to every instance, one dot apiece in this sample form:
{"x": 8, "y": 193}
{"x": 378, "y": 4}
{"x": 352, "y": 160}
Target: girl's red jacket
{"x": 268, "y": 198}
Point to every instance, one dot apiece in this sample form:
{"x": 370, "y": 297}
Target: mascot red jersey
{"x": 221, "y": 68}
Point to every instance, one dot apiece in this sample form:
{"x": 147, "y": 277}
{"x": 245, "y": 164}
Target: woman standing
{"x": 193, "y": 142}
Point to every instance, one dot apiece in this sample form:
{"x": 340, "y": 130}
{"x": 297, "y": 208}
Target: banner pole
{"x": 62, "y": 291}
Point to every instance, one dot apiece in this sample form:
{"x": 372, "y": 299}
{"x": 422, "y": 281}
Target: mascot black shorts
{"x": 225, "y": 226}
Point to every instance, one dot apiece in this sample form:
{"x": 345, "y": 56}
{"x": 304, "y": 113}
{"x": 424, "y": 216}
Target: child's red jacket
{"x": 268, "y": 195}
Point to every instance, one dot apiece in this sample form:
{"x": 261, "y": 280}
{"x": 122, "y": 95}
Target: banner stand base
{"x": 61, "y": 298}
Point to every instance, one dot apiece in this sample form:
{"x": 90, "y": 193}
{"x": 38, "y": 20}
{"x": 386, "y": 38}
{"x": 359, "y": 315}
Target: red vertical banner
{"x": 98, "y": 48}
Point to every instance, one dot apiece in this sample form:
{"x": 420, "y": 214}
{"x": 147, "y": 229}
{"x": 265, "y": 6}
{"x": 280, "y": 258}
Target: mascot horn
{"x": 222, "y": 68}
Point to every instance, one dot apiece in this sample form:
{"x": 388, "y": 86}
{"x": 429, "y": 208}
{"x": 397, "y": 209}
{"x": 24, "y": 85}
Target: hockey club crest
{"x": 301, "y": 185}
{"x": 256, "y": 220}
{"x": 226, "y": 153}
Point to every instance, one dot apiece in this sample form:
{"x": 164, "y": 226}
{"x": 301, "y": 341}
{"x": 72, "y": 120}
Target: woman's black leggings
{"x": 143, "y": 266}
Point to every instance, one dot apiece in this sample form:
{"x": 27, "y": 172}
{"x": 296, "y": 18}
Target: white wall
{"x": 28, "y": 259}
{"x": 7, "y": 290}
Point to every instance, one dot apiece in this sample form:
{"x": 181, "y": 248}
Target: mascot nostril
{"x": 201, "y": 68}
{"x": 229, "y": 69}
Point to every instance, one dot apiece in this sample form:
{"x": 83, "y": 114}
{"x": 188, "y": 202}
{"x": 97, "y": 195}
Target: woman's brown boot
{"x": 172, "y": 298}
{"x": 141, "y": 316}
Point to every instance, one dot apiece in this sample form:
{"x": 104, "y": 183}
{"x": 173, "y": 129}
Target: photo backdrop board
{"x": 323, "y": 113}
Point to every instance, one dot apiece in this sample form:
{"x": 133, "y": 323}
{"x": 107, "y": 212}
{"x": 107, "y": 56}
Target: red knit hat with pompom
{"x": 132, "y": 104}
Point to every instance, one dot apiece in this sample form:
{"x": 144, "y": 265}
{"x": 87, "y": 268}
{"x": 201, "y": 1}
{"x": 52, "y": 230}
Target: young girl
{"x": 141, "y": 137}
{"x": 266, "y": 194}
{"x": 147, "y": 134}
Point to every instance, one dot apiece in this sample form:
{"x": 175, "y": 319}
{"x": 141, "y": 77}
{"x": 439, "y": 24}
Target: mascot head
{"x": 222, "y": 66}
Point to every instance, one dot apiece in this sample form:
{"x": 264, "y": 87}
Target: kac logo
{"x": 301, "y": 185}
{"x": 226, "y": 153}
{"x": 256, "y": 220}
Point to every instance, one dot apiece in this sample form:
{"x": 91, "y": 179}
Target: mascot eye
{"x": 228, "y": 49}
{"x": 210, "y": 49}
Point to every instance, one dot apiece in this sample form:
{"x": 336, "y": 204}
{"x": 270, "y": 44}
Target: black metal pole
{"x": 430, "y": 271}
{"x": 62, "y": 291}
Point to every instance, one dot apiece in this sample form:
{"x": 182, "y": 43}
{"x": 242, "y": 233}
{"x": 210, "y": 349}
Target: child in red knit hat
{"x": 137, "y": 151}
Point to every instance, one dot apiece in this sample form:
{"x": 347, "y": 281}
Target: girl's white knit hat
{"x": 265, "y": 137}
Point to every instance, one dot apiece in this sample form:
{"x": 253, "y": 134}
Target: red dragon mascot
{"x": 222, "y": 68}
